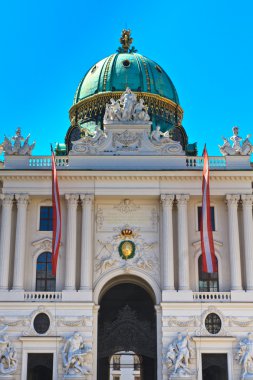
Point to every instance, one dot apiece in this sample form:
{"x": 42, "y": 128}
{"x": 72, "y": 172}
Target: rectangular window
{"x": 46, "y": 218}
{"x": 212, "y": 217}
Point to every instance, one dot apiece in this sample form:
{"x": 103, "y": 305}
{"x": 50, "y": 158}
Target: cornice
{"x": 127, "y": 176}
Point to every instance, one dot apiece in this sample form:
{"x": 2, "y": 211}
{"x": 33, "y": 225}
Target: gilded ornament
{"x": 127, "y": 249}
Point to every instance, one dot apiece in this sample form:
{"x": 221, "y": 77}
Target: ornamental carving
{"x": 126, "y": 206}
{"x": 177, "y": 357}
{"x": 79, "y": 322}
{"x": 186, "y": 322}
{"x": 202, "y": 330}
{"x": 30, "y": 331}
{"x": 17, "y": 147}
{"x": 8, "y": 354}
{"x": 239, "y": 146}
{"x": 245, "y": 356}
{"x": 76, "y": 356}
{"x": 108, "y": 257}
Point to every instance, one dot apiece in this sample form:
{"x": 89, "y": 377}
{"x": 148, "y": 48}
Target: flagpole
{"x": 209, "y": 262}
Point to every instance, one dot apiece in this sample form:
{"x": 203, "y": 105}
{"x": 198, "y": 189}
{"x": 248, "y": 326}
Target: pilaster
{"x": 87, "y": 241}
{"x": 183, "y": 242}
{"x": 19, "y": 260}
{"x": 247, "y": 200}
{"x": 70, "y": 274}
{"x": 234, "y": 246}
{"x": 167, "y": 239}
{"x": 5, "y": 239}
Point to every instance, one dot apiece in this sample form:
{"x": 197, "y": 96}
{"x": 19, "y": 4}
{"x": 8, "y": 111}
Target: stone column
{"x": 87, "y": 241}
{"x": 167, "y": 239}
{"x": 5, "y": 239}
{"x": 70, "y": 274}
{"x": 19, "y": 260}
{"x": 183, "y": 243}
{"x": 247, "y": 200}
{"x": 234, "y": 246}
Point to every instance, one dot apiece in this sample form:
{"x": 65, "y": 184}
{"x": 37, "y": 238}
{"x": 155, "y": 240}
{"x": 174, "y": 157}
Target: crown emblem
{"x": 126, "y": 232}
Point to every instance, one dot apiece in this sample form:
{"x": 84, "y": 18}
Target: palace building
{"x": 130, "y": 300}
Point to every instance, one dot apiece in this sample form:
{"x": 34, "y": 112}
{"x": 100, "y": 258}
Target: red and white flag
{"x": 56, "y": 217}
{"x": 207, "y": 246}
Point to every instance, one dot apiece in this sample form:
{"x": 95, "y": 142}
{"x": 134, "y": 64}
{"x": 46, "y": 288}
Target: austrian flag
{"x": 56, "y": 217}
{"x": 207, "y": 245}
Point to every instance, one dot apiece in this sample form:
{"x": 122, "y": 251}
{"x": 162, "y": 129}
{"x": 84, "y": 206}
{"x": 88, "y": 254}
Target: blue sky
{"x": 205, "y": 47}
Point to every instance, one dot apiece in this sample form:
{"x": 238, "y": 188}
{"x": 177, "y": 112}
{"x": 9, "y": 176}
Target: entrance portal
{"x": 40, "y": 367}
{"x": 214, "y": 367}
{"x": 127, "y": 324}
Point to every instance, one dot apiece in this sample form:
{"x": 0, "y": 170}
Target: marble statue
{"x": 141, "y": 111}
{"x": 245, "y": 356}
{"x": 93, "y": 137}
{"x": 237, "y": 148}
{"x": 127, "y": 108}
{"x": 8, "y": 360}
{"x": 17, "y": 148}
{"x": 128, "y": 101}
{"x": 178, "y": 356}
{"x": 157, "y": 136}
{"x": 73, "y": 356}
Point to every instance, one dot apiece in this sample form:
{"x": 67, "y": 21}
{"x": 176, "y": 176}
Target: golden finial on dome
{"x": 126, "y": 39}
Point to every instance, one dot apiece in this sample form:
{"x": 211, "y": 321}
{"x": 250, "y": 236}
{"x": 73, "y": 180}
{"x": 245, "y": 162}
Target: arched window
{"x": 208, "y": 282}
{"x": 45, "y": 281}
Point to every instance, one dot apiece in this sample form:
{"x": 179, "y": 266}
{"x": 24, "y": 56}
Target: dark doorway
{"x": 40, "y": 367}
{"x": 214, "y": 367}
{"x": 127, "y": 322}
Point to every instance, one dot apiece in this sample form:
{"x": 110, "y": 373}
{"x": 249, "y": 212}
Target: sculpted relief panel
{"x": 145, "y": 216}
{"x": 127, "y": 237}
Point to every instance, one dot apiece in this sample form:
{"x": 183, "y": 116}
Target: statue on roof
{"x": 239, "y": 146}
{"x": 159, "y": 137}
{"x": 126, "y": 109}
{"x": 17, "y": 148}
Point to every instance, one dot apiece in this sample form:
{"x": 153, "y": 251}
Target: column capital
{"x": 7, "y": 199}
{"x": 182, "y": 199}
{"x": 167, "y": 200}
{"x": 72, "y": 198}
{"x": 247, "y": 199}
{"x": 232, "y": 199}
{"x": 22, "y": 199}
{"x": 86, "y": 199}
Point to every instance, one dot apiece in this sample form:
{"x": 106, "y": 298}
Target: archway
{"x": 127, "y": 323}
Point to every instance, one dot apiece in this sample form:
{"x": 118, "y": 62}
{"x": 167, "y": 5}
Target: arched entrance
{"x": 127, "y": 323}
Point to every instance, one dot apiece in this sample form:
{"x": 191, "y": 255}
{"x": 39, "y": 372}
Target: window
{"x": 212, "y": 217}
{"x": 41, "y": 323}
{"x": 208, "y": 282}
{"x": 116, "y": 362}
{"x": 213, "y": 323}
{"x": 136, "y": 364}
{"x": 46, "y": 218}
{"x": 45, "y": 281}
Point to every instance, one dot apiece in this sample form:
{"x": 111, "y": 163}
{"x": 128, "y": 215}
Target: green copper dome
{"x": 126, "y": 69}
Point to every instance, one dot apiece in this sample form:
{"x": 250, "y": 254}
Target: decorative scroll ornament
{"x": 236, "y": 149}
{"x": 76, "y": 357}
{"x": 245, "y": 356}
{"x": 177, "y": 357}
{"x": 17, "y": 148}
{"x": 8, "y": 355}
